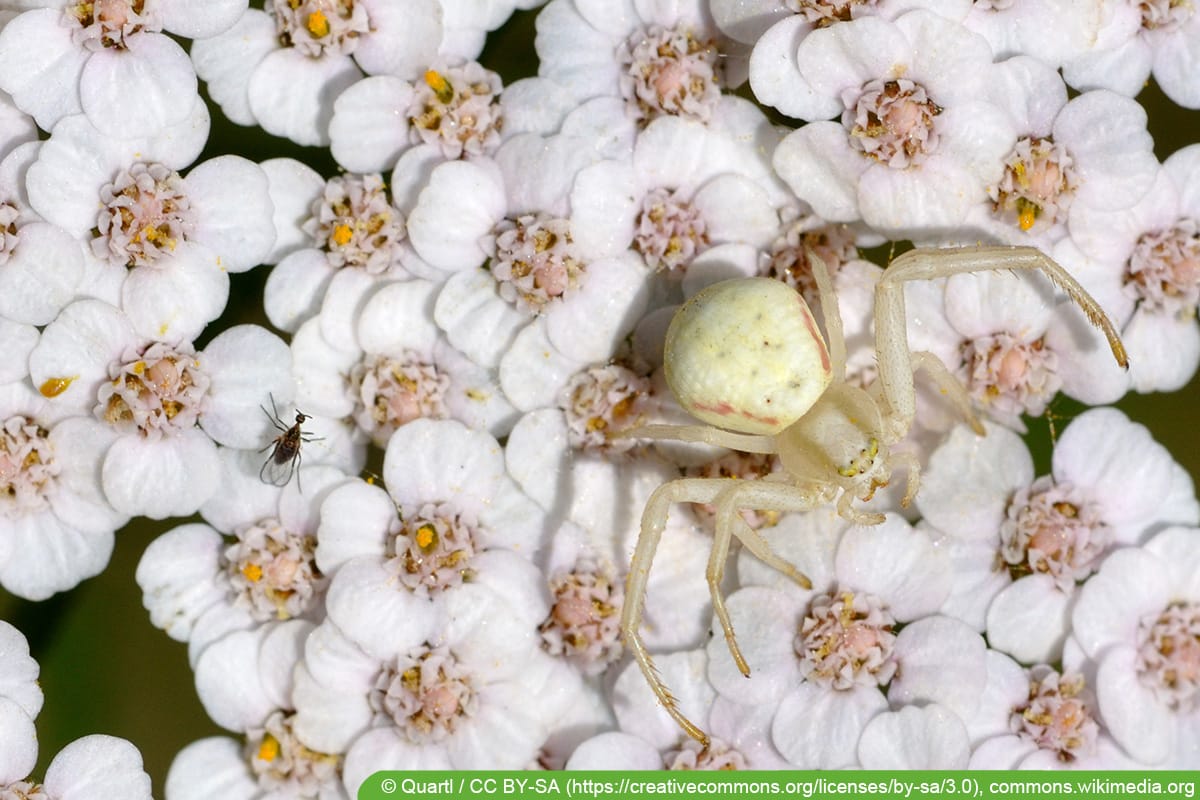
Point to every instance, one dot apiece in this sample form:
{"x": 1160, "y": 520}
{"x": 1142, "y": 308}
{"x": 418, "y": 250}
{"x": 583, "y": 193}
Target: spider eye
{"x": 862, "y": 462}
{"x": 746, "y": 355}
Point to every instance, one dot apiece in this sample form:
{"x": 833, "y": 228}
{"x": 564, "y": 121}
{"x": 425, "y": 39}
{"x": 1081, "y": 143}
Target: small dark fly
{"x": 279, "y": 467}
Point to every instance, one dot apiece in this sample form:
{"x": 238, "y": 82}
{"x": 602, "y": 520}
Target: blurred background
{"x": 105, "y": 669}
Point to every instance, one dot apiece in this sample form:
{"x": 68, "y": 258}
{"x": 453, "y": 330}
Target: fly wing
{"x": 278, "y": 468}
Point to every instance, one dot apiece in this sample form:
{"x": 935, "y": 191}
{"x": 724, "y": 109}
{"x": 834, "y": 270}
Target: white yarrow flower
{"x": 164, "y": 406}
{"x": 1137, "y": 617}
{"x": 1020, "y": 546}
{"x": 113, "y": 61}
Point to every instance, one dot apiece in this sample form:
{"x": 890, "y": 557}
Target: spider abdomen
{"x": 746, "y": 355}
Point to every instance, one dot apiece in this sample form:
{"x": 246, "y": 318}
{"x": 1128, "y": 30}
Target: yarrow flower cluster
{"x": 452, "y": 510}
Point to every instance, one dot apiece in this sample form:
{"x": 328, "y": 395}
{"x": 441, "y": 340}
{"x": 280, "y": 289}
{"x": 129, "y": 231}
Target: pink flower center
{"x": 736, "y": 464}
{"x": 109, "y": 23}
{"x": 601, "y": 401}
{"x": 691, "y": 755}
{"x": 1059, "y": 715}
{"x": 1038, "y": 185}
{"x": 9, "y": 238}
{"x": 273, "y": 571}
{"x": 1165, "y": 15}
{"x": 583, "y": 626}
{"x": 892, "y": 122}
{"x": 426, "y": 694}
{"x": 535, "y": 260}
{"x": 23, "y": 790}
{"x": 1164, "y": 270}
{"x": 162, "y": 391}
{"x": 356, "y": 224}
{"x": 319, "y": 27}
{"x": 668, "y": 71}
{"x": 433, "y": 549}
{"x": 1008, "y": 376}
{"x": 1053, "y": 529}
{"x": 144, "y": 214}
{"x": 670, "y": 230}
{"x": 285, "y": 766}
{"x": 846, "y": 640}
{"x": 788, "y": 259}
{"x": 458, "y": 110}
{"x": 27, "y": 467}
{"x": 392, "y": 391}
{"x": 1169, "y": 656}
{"x": 823, "y": 13}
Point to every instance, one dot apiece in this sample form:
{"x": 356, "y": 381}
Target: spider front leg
{"x": 654, "y": 520}
{"x": 949, "y": 386}
{"x": 896, "y": 361}
{"x": 760, "y": 495}
{"x": 703, "y": 434}
{"x": 757, "y": 494}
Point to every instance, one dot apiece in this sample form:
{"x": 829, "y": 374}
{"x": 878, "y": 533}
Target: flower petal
{"x": 411, "y": 301}
{"x": 231, "y": 199}
{"x": 1118, "y": 463}
{"x": 355, "y": 520}
{"x": 178, "y": 578}
{"x": 227, "y": 681}
{"x": 38, "y": 61}
{"x": 403, "y": 40}
{"x": 1152, "y": 367}
{"x": 173, "y": 300}
{"x": 296, "y": 287}
{"x": 212, "y": 767}
{"x": 226, "y": 62}
{"x": 369, "y": 129}
{"x": 96, "y": 767}
{"x": 376, "y": 612}
{"x": 138, "y": 90}
{"x": 19, "y": 341}
{"x": 942, "y": 661}
{"x": 475, "y": 318}
{"x": 42, "y": 274}
{"x": 45, "y": 555}
{"x": 171, "y": 477}
{"x": 1130, "y": 586}
{"x": 1030, "y": 620}
{"x": 966, "y": 486}
{"x": 929, "y": 737}
{"x": 458, "y": 207}
{"x": 435, "y": 461}
{"x": 766, "y": 622}
{"x": 385, "y": 746}
{"x": 18, "y": 742}
{"x": 588, "y": 324}
{"x": 615, "y": 750}
{"x": 817, "y": 728}
{"x": 293, "y": 187}
{"x": 604, "y": 205}
{"x": 1135, "y": 717}
{"x": 775, "y": 73}
{"x": 896, "y": 562}
{"x": 819, "y": 165}
{"x": 289, "y": 93}
{"x": 248, "y": 366}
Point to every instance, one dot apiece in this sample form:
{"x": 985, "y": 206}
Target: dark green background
{"x": 105, "y": 669}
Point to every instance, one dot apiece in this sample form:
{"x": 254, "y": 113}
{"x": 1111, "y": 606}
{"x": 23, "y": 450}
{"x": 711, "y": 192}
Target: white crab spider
{"x": 746, "y": 356}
